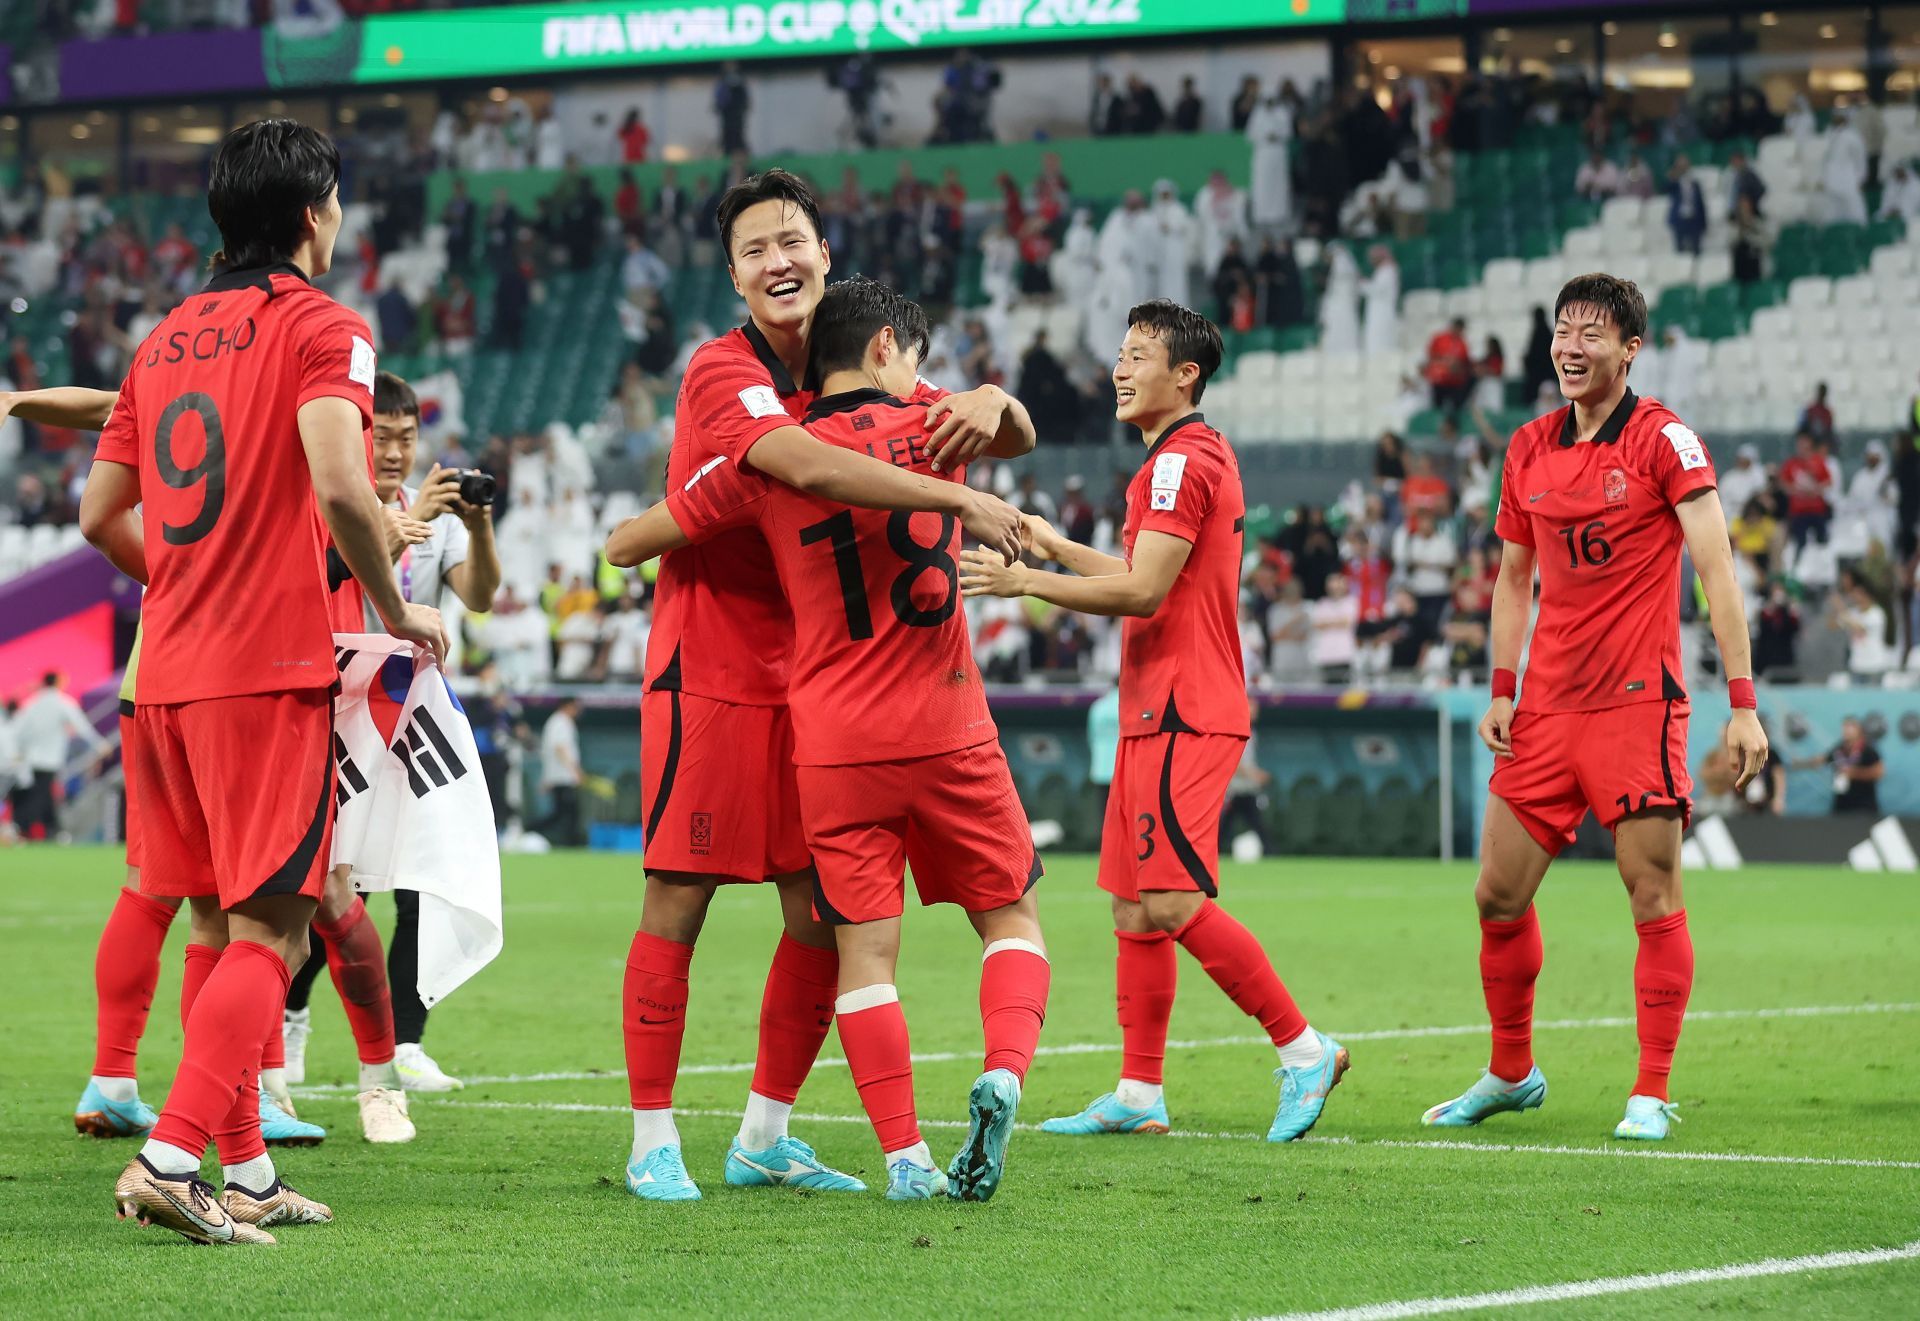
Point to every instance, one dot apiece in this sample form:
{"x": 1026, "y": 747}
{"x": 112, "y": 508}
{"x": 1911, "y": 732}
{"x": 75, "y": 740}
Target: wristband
{"x": 1506, "y": 683}
{"x": 1740, "y": 694}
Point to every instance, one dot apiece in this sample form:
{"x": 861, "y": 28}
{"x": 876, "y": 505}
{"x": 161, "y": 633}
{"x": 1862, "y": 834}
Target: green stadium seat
{"x": 1757, "y": 294}
{"x": 1719, "y": 322}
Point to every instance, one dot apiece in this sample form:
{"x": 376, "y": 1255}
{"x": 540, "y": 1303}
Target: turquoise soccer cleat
{"x": 661, "y": 1177}
{"x": 788, "y": 1163}
{"x": 1649, "y": 1119}
{"x": 281, "y": 1129}
{"x": 907, "y": 1182}
{"x": 1489, "y": 1096}
{"x": 1303, "y": 1092}
{"x": 976, "y": 1169}
{"x": 1105, "y": 1114}
{"x": 98, "y": 1117}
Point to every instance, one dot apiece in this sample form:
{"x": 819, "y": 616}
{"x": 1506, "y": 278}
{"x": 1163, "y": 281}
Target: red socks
{"x": 125, "y": 970}
{"x": 359, "y": 968}
{"x": 1233, "y": 958}
{"x": 1145, "y": 975}
{"x": 1662, "y": 980}
{"x": 1510, "y": 958}
{"x": 201, "y": 961}
{"x": 654, "y": 1017}
{"x": 796, "y": 1012}
{"x": 226, "y": 1029}
{"x": 1014, "y": 977}
{"x": 873, "y": 1033}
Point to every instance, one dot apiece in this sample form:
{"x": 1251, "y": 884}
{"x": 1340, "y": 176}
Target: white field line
{"x": 1618, "y": 1284}
{"x": 1495, "y": 1148}
{"x": 1113, "y": 1047}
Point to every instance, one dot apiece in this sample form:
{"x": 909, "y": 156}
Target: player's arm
{"x": 337, "y": 460}
{"x": 645, "y": 537}
{"x": 1043, "y": 539}
{"x": 1704, "y": 524}
{"x": 70, "y": 406}
{"x": 1158, "y": 558}
{"x": 1507, "y": 633}
{"x": 964, "y": 429}
{"x": 108, "y": 519}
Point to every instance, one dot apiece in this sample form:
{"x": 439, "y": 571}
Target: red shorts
{"x": 236, "y": 795}
{"x": 717, "y": 790}
{"x": 1614, "y": 761}
{"x": 129, "y": 737}
{"x": 1163, "y": 813}
{"x": 954, "y": 817}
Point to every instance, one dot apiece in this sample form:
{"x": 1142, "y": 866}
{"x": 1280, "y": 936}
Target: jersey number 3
{"x": 839, "y": 533}
{"x": 212, "y": 468}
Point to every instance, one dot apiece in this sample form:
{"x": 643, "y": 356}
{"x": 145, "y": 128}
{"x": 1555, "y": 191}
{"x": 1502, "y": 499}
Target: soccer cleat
{"x": 281, "y": 1129}
{"x": 1303, "y": 1092}
{"x": 1105, "y": 1114}
{"x": 98, "y": 1117}
{"x": 383, "y": 1115}
{"x": 661, "y": 1176}
{"x": 277, "y": 1089}
{"x": 907, "y": 1182}
{"x": 295, "y": 1027}
{"x": 184, "y": 1203}
{"x": 976, "y": 1168}
{"x": 1489, "y": 1096}
{"x": 788, "y": 1163}
{"x": 1649, "y": 1119}
{"x": 419, "y": 1073}
{"x": 278, "y": 1205}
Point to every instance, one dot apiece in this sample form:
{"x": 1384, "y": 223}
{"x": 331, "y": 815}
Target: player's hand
{"x": 1747, "y": 745}
{"x": 1039, "y": 536}
{"x": 983, "y": 573}
{"x": 1495, "y": 727}
{"x": 439, "y": 494}
{"x": 964, "y": 426}
{"x": 993, "y": 523}
{"x": 421, "y": 625}
{"x": 403, "y": 530}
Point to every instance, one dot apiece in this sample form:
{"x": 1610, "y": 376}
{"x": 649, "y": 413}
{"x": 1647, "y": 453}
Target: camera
{"x": 476, "y": 488}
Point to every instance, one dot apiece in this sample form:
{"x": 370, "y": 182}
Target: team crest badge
{"x": 1616, "y": 487}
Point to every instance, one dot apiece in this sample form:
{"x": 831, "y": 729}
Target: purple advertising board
{"x": 163, "y": 64}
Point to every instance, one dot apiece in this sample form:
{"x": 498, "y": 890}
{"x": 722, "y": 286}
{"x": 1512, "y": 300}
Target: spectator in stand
{"x": 1334, "y": 617}
{"x": 1289, "y": 632}
{"x": 1816, "y": 419}
{"x": 1809, "y": 483}
{"x": 1751, "y": 241}
{"x": 731, "y": 101}
{"x": 1049, "y": 395}
{"x": 1232, "y": 279}
{"x": 45, "y": 728}
{"x": 1381, "y": 336}
{"x": 1404, "y": 634}
{"x": 1686, "y": 207}
{"x": 502, "y": 230}
{"x": 1221, "y": 213}
{"x": 398, "y": 321}
{"x": 856, "y": 78}
{"x": 1598, "y": 177}
{"x": 1755, "y": 534}
{"x": 1390, "y": 465}
{"x": 1107, "y": 115}
{"x": 634, "y": 138}
{"x": 1743, "y": 480}
{"x": 1032, "y": 500}
{"x": 1245, "y": 102}
{"x": 511, "y": 298}
{"x": 1270, "y": 129}
{"x": 626, "y": 631}
{"x": 673, "y": 211}
{"x": 1077, "y": 514}
{"x": 1316, "y": 556}
{"x": 455, "y": 318}
{"x": 1489, "y": 375}
{"x": 1426, "y": 554}
{"x": 549, "y": 141}
{"x": 1900, "y": 199}
{"x": 1857, "y": 770}
{"x": 1449, "y": 367}
{"x": 1368, "y": 574}
{"x": 1145, "y": 114}
{"x": 967, "y": 89}
{"x": 1777, "y": 634}
{"x": 1425, "y": 491}
{"x": 629, "y": 208}
{"x": 35, "y": 506}
{"x": 642, "y": 267}
{"x": 1843, "y": 173}
{"x": 1744, "y": 184}
{"x": 1538, "y": 364}
{"x": 580, "y": 224}
{"x": 1637, "y": 180}
{"x": 175, "y": 257}
{"x": 1188, "y": 110}
{"x": 1278, "y": 284}
{"x": 1855, "y": 612}
{"x": 1472, "y": 614}
{"x": 462, "y": 220}
{"x": 578, "y": 644}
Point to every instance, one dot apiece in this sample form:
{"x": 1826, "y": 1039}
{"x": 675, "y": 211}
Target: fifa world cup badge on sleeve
{"x": 1168, "y": 471}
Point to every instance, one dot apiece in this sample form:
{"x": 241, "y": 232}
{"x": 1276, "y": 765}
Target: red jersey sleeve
{"x": 1510, "y": 521}
{"x": 719, "y": 499}
{"x": 728, "y": 400}
{"x": 120, "y": 437}
{"x": 1680, "y": 461}
{"x": 1184, "y": 482}
{"x": 335, "y": 351}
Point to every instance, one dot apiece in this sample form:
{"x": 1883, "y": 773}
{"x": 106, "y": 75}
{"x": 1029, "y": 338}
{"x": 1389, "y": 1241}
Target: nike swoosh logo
{"x": 655, "y": 1022}
{"x": 756, "y": 1165}
{"x": 221, "y": 1232}
{"x": 1532, "y": 499}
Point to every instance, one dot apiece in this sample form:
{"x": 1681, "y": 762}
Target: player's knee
{"x": 1169, "y": 910}
{"x": 1653, "y": 890}
{"x": 1499, "y": 901}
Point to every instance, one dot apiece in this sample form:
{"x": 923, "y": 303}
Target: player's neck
{"x": 1151, "y": 430}
{"x": 1589, "y": 417}
{"x": 841, "y": 382}
{"x": 789, "y": 344}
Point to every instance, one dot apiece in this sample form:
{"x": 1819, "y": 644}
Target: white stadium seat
{"x": 1810, "y": 291}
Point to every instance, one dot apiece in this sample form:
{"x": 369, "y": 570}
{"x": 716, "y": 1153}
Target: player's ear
{"x": 826, "y": 258}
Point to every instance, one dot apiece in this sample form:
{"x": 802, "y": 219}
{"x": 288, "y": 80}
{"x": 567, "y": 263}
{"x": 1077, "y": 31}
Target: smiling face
{"x": 779, "y": 263}
{"x": 395, "y": 436}
{"x": 1147, "y": 387}
{"x": 1589, "y": 352}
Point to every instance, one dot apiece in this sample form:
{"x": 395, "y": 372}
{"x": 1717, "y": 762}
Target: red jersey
{"x": 1181, "y": 668}
{"x": 1807, "y": 481}
{"x": 236, "y": 601}
{"x": 883, "y": 665}
{"x": 1607, "y": 541}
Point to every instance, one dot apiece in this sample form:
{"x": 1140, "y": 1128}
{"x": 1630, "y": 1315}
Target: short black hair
{"x": 766, "y": 186}
{"x": 1189, "y": 337}
{"x": 852, "y": 312}
{"x": 1620, "y": 299}
{"x": 393, "y": 395}
{"x": 263, "y": 178}
{"x": 51, "y": 679}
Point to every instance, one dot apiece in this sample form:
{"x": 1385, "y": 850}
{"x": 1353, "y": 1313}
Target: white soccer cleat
{"x": 295, "y": 1028}
{"x": 419, "y": 1073}
{"x": 383, "y": 1115}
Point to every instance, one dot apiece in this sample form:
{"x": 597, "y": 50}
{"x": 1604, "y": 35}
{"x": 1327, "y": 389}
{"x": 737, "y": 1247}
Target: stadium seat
{"x": 1810, "y": 291}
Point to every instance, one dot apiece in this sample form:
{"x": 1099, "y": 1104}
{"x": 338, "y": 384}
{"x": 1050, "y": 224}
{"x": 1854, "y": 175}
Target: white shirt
{"x": 46, "y": 726}
{"x": 1427, "y": 561}
{"x": 559, "y": 751}
{"x": 422, "y": 570}
{"x": 579, "y": 639}
{"x": 1333, "y": 622}
{"x": 627, "y": 632}
{"x": 1868, "y": 653}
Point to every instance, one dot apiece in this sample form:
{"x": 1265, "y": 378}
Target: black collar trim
{"x": 253, "y": 277}
{"x": 1609, "y": 431}
{"x": 849, "y": 400}
{"x": 782, "y": 378}
{"x": 1168, "y": 434}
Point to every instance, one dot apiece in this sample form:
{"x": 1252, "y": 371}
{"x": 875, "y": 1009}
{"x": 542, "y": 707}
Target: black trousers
{"x": 561, "y": 825}
{"x": 403, "y": 969}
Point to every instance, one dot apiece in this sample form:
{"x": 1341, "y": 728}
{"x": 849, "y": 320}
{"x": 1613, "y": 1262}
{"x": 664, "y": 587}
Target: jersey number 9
{"x": 212, "y": 468}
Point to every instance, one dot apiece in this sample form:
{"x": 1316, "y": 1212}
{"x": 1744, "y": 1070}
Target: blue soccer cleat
{"x": 1489, "y": 1096}
{"x": 1105, "y": 1114}
{"x": 788, "y": 1163}
{"x": 1303, "y": 1092}
{"x": 907, "y": 1182}
{"x": 98, "y": 1117}
{"x": 1649, "y": 1119}
{"x": 661, "y": 1177}
{"x": 281, "y": 1129}
{"x": 976, "y": 1169}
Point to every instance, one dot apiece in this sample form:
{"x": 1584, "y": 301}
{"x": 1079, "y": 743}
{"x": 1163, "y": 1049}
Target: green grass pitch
{"x": 511, "y": 1201}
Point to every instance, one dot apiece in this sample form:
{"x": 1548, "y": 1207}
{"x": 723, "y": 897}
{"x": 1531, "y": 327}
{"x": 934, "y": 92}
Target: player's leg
{"x": 296, "y": 1025}
{"x": 419, "y": 1071}
{"x": 1015, "y": 977}
{"x": 873, "y": 1032}
{"x": 654, "y": 1023}
{"x": 359, "y": 969}
{"x": 1647, "y": 846}
{"x": 126, "y": 968}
